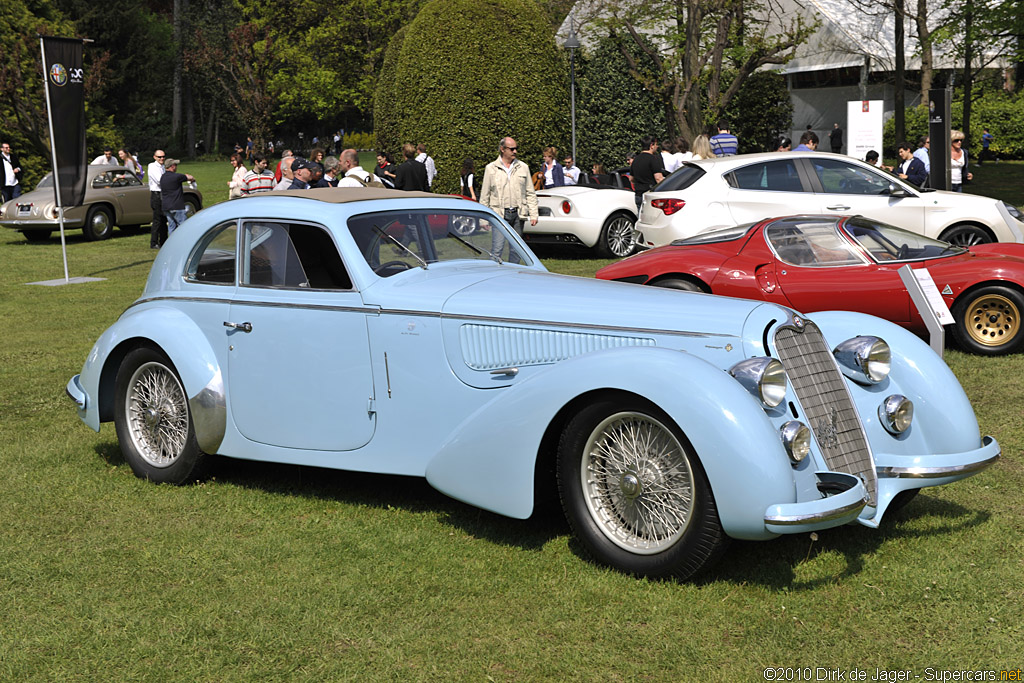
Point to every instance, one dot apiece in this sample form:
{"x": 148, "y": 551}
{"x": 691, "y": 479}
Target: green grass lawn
{"x": 270, "y": 572}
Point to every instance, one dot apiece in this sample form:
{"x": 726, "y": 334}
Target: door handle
{"x": 244, "y": 327}
{"x": 507, "y": 372}
{"x": 838, "y": 207}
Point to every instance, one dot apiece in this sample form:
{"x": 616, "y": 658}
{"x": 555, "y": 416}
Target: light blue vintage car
{"x": 370, "y": 330}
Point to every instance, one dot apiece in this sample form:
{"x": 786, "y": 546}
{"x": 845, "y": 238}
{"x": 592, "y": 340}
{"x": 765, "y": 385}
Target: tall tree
{"x": 705, "y": 49}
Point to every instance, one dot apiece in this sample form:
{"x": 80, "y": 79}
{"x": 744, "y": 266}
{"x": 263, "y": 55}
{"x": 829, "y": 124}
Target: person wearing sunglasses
{"x": 158, "y": 228}
{"x": 508, "y": 187}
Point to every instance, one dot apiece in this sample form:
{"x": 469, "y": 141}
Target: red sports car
{"x": 815, "y": 263}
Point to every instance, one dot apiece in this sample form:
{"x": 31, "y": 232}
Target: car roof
{"x": 343, "y": 195}
{"x": 739, "y": 159}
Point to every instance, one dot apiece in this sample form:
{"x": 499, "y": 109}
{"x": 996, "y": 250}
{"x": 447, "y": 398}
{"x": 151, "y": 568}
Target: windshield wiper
{"x": 479, "y": 250}
{"x": 398, "y": 244}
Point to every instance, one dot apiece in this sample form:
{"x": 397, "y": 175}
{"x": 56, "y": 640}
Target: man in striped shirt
{"x": 725, "y": 143}
{"x": 259, "y": 179}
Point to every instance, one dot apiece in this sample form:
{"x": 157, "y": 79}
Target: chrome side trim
{"x": 371, "y": 310}
{"x": 814, "y": 518}
{"x": 209, "y": 414}
{"x": 936, "y": 472}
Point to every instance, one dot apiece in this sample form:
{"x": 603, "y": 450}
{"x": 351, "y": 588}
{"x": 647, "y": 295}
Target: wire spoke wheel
{"x": 637, "y": 483}
{"x": 992, "y": 320}
{"x": 156, "y": 413}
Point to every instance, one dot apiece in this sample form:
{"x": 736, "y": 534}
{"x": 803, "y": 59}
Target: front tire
{"x": 99, "y": 224}
{"x": 153, "y": 420}
{"x": 987, "y": 321}
{"x": 617, "y": 240}
{"x": 634, "y": 492}
{"x": 965, "y": 236}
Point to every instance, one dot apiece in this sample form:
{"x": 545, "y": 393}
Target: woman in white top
{"x": 958, "y": 161}
{"x": 669, "y": 161}
{"x": 683, "y": 152}
{"x": 237, "y": 181}
{"x": 702, "y": 148}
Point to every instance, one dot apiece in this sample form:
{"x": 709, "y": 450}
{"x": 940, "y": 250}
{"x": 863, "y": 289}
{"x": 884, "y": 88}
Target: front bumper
{"x": 849, "y": 500}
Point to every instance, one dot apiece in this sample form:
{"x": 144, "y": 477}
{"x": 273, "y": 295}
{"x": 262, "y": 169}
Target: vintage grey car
{"x": 113, "y": 196}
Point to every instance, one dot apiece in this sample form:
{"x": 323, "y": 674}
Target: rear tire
{"x": 99, "y": 224}
{"x": 617, "y": 240}
{"x": 679, "y": 283}
{"x": 634, "y": 492}
{"x": 153, "y": 420}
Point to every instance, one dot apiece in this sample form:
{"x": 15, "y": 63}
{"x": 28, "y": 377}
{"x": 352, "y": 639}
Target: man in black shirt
{"x": 646, "y": 170}
{"x": 172, "y": 197}
{"x": 411, "y": 175}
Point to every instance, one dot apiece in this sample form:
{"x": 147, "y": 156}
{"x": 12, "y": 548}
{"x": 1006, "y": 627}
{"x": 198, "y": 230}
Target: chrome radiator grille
{"x": 828, "y": 408}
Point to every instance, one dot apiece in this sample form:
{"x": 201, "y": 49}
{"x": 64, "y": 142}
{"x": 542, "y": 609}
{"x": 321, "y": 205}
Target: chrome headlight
{"x": 1014, "y": 211}
{"x": 796, "y": 437}
{"x": 864, "y": 359}
{"x": 896, "y": 413}
{"x": 763, "y": 377}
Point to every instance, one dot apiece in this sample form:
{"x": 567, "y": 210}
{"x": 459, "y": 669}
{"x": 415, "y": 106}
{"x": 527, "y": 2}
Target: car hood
{"x": 534, "y": 297}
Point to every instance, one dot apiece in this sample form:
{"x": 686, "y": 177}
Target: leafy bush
{"x": 760, "y": 112}
{"x": 358, "y": 141}
{"x": 466, "y": 73}
{"x": 613, "y": 110}
{"x": 1001, "y": 112}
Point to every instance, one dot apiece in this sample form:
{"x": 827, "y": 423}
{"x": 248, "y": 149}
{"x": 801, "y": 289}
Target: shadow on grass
{"x": 779, "y": 564}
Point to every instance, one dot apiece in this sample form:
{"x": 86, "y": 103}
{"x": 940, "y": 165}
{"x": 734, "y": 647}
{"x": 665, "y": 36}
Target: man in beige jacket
{"x": 508, "y": 189}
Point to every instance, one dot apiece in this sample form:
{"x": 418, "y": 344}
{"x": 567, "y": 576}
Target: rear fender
{"x": 181, "y": 340}
{"x": 489, "y": 459}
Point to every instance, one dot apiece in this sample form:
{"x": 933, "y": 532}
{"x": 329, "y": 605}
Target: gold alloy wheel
{"x": 992, "y": 320}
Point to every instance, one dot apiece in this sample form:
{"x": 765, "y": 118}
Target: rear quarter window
{"x": 683, "y": 178}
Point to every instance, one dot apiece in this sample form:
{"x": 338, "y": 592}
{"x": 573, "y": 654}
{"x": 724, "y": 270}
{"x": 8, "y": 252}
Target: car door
{"x": 848, "y": 188}
{"x": 769, "y": 188}
{"x": 299, "y": 372}
{"x": 817, "y": 269}
{"x": 134, "y": 199}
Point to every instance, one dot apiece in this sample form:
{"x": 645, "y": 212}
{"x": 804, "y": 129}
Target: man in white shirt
{"x": 11, "y": 173}
{"x": 158, "y": 227}
{"x": 107, "y": 158}
{"x": 570, "y": 171}
{"x": 427, "y": 161}
{"x": 355, "y": 175}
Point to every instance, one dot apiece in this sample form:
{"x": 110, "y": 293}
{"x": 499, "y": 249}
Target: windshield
{"x": 393, "y": 241}
{"x": 719, "y": 235}
{"x": 887, "y": 243}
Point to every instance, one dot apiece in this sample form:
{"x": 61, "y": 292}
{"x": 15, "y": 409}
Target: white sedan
{"x": 726, "y": 191}
{"x": 596, "y": 216}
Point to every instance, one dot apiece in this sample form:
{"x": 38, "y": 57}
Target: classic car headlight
{"x": 864, "y": 359}
{"x": 796, "y": 437}
{"x": 1014, "y": 211}
{"x": 896, "y": 413}
{"x": 763, "y": 377}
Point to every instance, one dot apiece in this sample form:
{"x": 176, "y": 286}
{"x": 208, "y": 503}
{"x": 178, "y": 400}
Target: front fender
{"x": 181, "y": 340}
{"x": 489, "y": 459}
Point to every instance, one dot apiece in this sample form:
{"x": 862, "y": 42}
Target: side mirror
{"x": 897, "y": 191}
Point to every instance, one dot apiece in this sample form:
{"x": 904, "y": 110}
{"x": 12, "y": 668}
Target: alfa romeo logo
{"x": 58, "y": 75}
{"x": 827, "y": 430}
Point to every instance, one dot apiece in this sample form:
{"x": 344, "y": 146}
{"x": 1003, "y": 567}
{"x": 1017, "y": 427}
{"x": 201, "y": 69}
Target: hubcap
{"x": 100, "y": 223}
{"x": 620, "y": 236}
{"x": 157, "y": 414}
{"x": 992, "y": 320}
{"x": 637, "y": 483}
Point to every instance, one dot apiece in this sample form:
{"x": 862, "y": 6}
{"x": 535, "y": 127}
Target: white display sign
{"x": 931, "y": 293}
{"x": 864, "y": 128}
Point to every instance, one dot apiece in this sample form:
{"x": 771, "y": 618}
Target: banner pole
{"x": 53, "y": 159}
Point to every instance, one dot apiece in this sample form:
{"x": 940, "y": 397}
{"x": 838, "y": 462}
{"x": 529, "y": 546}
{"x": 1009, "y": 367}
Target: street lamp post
{"x": 572, "y": 43}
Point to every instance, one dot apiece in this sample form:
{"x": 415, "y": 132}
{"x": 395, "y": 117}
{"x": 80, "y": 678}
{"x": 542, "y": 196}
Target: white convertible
{"x": 596, "y": 216}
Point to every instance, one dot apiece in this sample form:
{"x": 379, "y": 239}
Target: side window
{"x": 811, "y": 244}
{"x": 102, "y": 180}
{"x": 214, "y": 259}
{"x": 838, "y": 177}
{"x": 291, "y": 255}
{"x": 131, "y": 179}
{"x": 776, "y": 176}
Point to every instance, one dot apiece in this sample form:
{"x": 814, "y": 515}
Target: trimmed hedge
{"x": 1002, "y": 113}
{"x": 613, "y": 110}
{"x": 760, "y": 112}
{"x": 464, "y": 74}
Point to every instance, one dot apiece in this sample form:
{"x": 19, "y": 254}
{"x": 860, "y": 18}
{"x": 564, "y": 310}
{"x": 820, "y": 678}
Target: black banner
{"x": 62, "y": 64}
